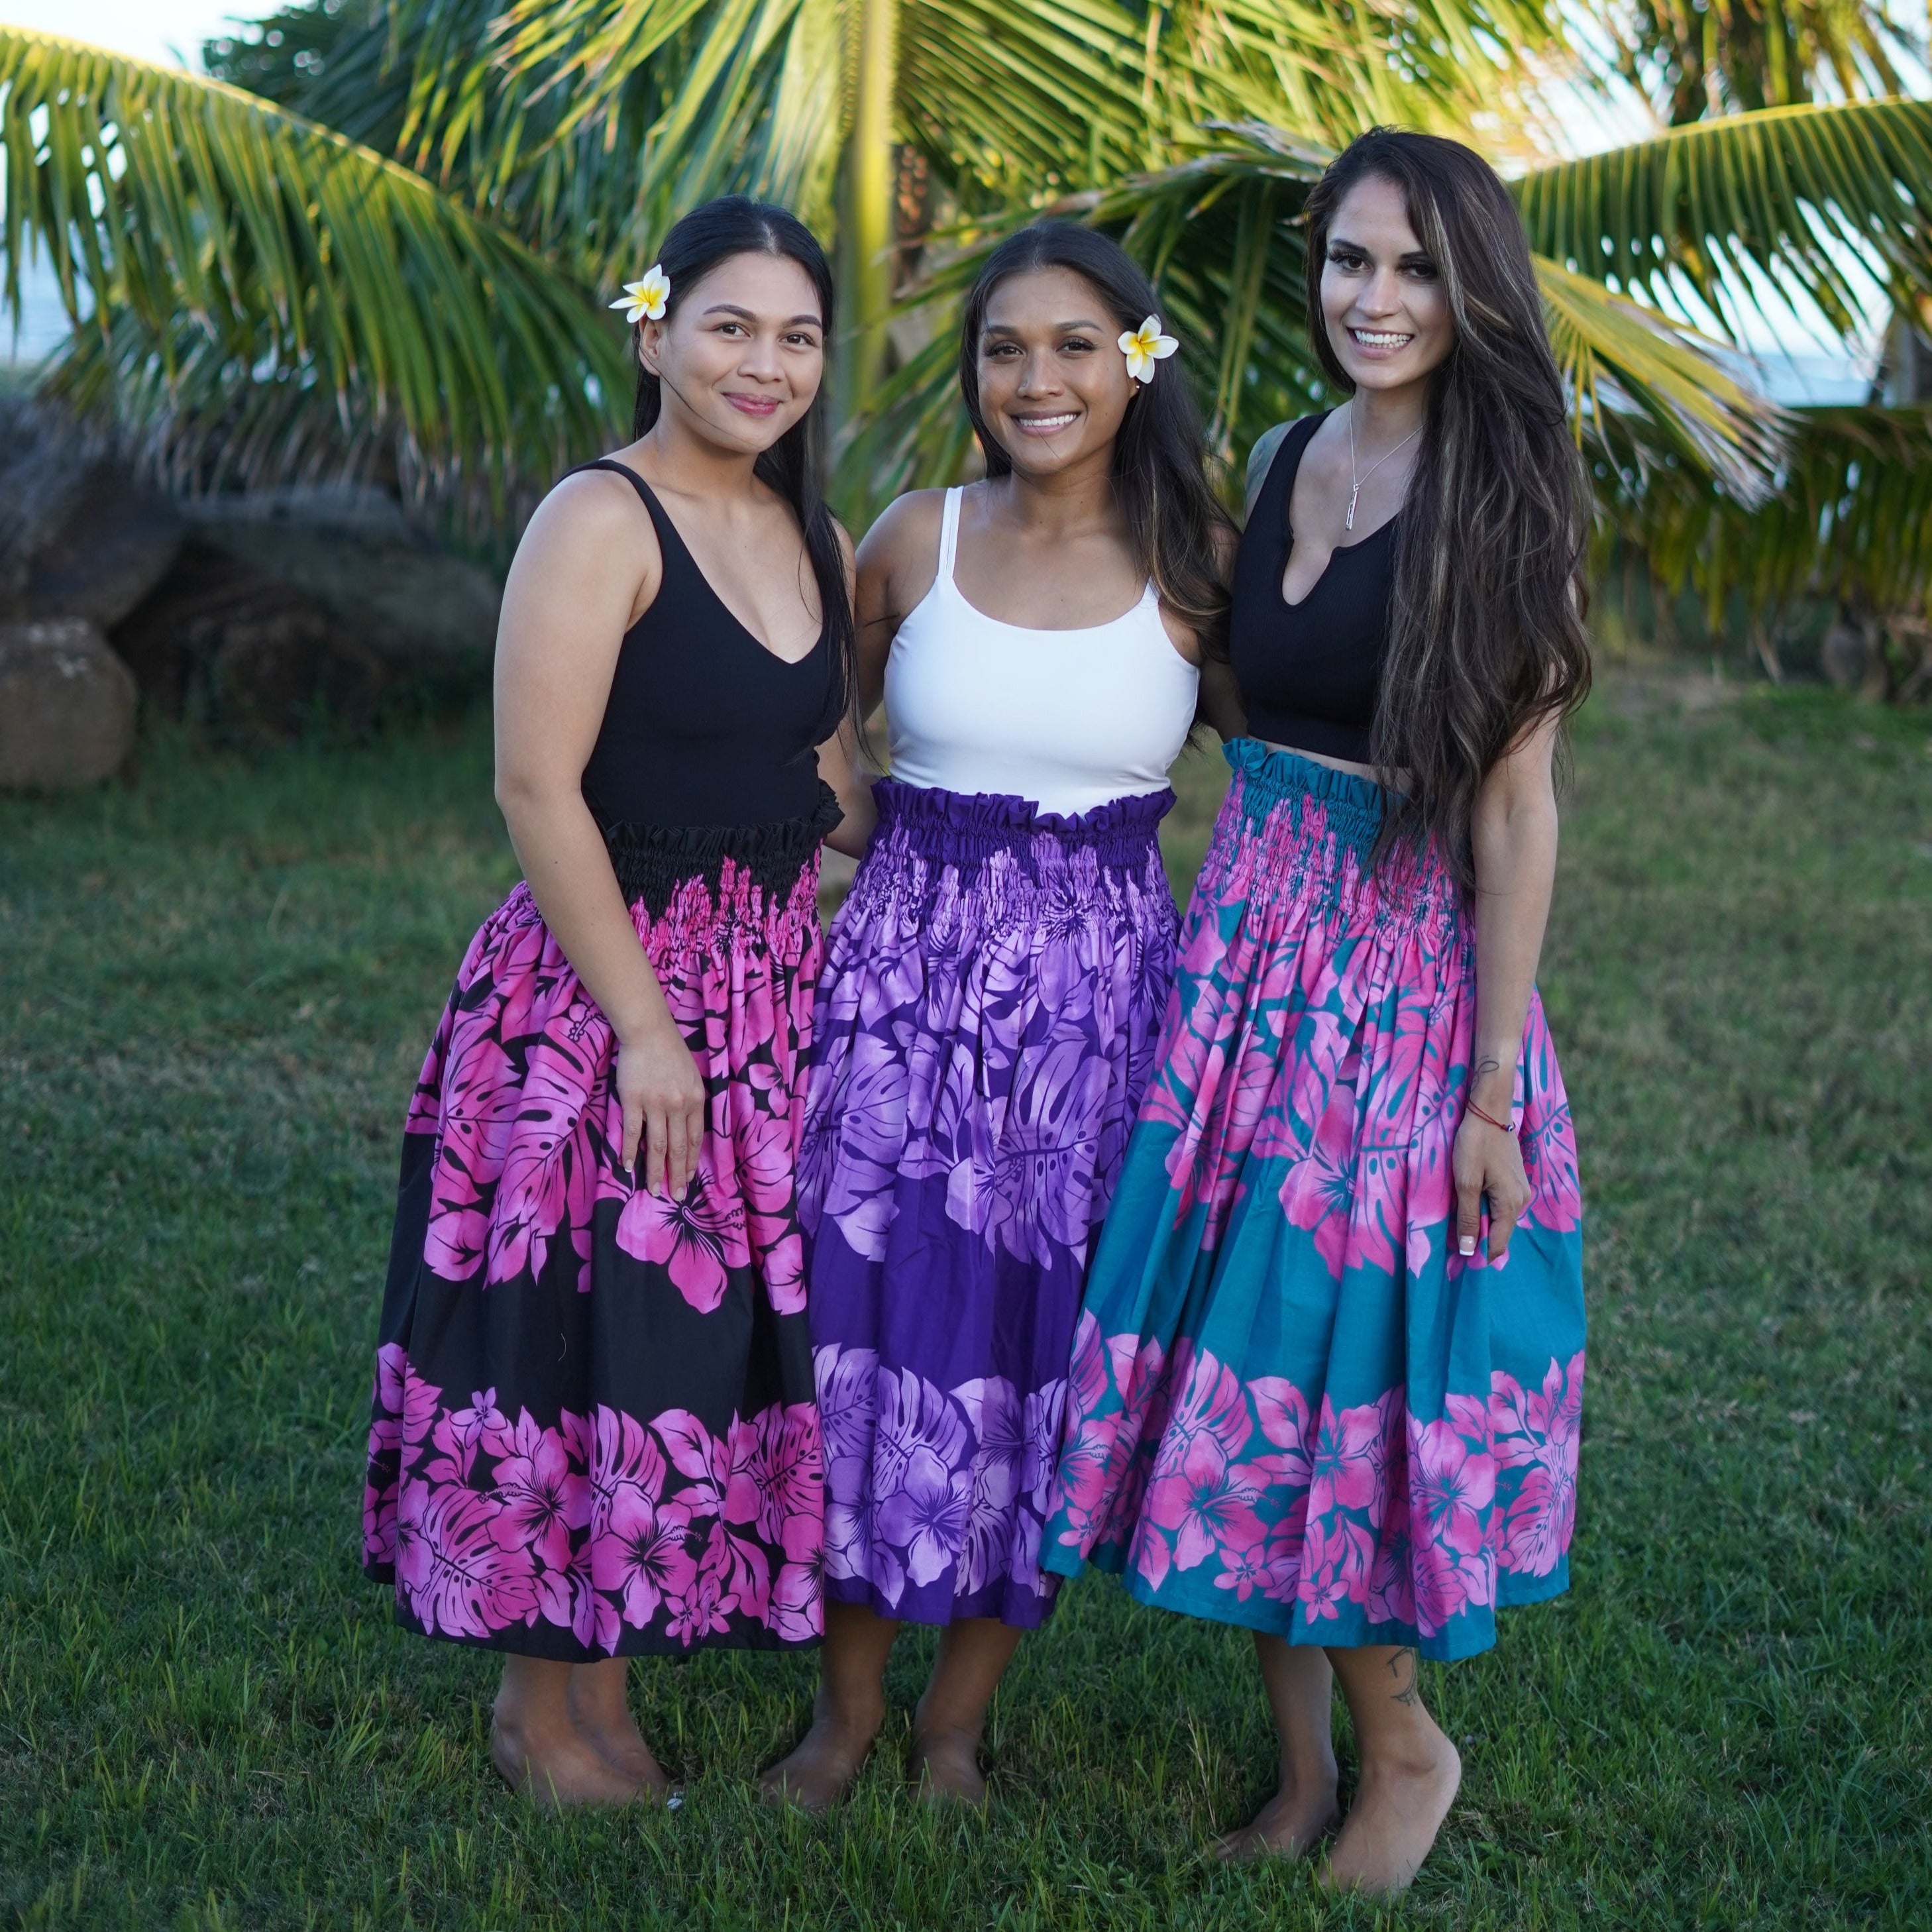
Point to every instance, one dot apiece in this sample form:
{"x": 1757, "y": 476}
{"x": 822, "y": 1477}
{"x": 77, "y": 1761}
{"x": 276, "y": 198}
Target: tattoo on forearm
{"x": 1483, "y": 1066}
{"x": 1403, "y": 1667}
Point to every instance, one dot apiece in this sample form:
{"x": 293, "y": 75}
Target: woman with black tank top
{"x": 594, "y": 1434}
{"x": 1328, "y": 1373}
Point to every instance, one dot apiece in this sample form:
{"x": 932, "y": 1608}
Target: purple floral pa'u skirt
{"x": 986, "y": 1024}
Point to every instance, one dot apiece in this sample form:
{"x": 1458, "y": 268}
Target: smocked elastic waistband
{"x": 653, "y": 861}
{"x": 959, "y": 825}
{"x": 1353, "y": 805}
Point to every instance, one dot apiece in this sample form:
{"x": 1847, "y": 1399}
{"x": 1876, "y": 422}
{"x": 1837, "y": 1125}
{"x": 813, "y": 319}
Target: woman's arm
{"x": 840, "y": 766}
{"x": 1513, "y": 836}
{"x": 879, "y": 602}
{"x": 587, "y": 564}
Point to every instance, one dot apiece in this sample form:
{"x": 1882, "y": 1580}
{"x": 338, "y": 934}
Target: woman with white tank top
{"x": 995, "y": 985}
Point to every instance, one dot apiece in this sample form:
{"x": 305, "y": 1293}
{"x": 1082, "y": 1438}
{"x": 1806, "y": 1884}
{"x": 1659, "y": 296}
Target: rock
{"x": 66, "y": 706}
{"x": 79, "y": 537}
{"x": 353, "y": 555}
{"x": 287, "y": 606}
{"x": 239, "y": 649}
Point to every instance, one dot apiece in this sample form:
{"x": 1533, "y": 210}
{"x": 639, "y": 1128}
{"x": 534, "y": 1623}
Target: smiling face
{"x": 1382, "y": 297}
{"x": 742, "y": 355}
{"x": 1054, "y": 386}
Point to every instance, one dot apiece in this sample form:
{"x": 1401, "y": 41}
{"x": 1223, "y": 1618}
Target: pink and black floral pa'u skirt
{"x": 594, "y": 1431}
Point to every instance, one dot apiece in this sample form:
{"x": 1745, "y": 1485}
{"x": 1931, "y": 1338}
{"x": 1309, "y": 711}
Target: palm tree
{"x": 391, "y": 244}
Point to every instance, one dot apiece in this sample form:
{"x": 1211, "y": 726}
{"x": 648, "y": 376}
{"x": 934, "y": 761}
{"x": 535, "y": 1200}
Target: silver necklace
{"x": 1355, "y": 482}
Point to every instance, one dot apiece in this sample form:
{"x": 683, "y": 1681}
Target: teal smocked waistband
{"x": 1353, "y": 806}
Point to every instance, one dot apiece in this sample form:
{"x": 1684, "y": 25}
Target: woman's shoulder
{"x": 907, "y": 528}
{"x": 594, "y": 514}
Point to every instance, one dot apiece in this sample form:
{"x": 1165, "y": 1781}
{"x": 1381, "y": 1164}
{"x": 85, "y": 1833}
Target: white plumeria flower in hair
{"x": 646, "y": 299}
{"x": 1146, "y": 346}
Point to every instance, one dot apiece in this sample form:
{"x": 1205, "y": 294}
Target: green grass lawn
{"x": 217, "y": 979}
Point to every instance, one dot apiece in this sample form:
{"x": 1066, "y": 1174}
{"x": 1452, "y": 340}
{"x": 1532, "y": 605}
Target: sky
{"x": 169, "y": 31}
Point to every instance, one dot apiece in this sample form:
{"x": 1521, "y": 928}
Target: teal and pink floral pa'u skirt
{"x": 1291, "y": 1404}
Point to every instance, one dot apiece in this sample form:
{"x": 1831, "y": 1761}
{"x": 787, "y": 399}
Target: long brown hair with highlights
{"x": 1486, "y": 637}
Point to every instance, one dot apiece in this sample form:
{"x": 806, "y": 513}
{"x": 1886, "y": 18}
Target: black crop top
{"x": 1309, "y": 672}
{"x": 704, "y": 726}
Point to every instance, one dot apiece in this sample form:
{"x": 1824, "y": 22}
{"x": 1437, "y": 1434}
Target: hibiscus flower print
{"x": 1347, "y": 1459}
{"x": 640, "y": 1556}
{"x": 698, "y": 1241}
{"x": 698, "y": 1610}
{"x": 1206, "y": 1503}
{"x": 1391, "y": 1587}
{"x": 1335, "y": 1560}
{"x": 545, "y": 1502}
{"x": 1318, "y": 1193}
{"x": 1450, "y": 1485}
{"x": 926, "y": 1514}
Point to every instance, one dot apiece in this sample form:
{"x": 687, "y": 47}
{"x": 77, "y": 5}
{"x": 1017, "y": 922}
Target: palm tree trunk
{"x": 865, "y": 214}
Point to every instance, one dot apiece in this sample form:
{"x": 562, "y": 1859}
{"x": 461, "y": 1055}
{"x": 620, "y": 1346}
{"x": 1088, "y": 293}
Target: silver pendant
{"x": 1348, "y": 522}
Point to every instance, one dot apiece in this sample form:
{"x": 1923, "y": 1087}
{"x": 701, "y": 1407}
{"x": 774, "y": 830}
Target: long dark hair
{"x": 1159, "y": 473}
{"x": 1486, "y": 637}
{"x": 794, "y": 466}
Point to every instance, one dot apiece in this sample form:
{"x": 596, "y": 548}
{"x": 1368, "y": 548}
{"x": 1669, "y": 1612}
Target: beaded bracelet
{"x": 1503, "y": 1125}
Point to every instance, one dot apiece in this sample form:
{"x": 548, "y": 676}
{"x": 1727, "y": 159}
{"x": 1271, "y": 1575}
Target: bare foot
{"x": 1289, "y": 1826}
{"x": 556, "y": 1766}
{"x": 820, "y": 1771}
{"x": 604, "y": 1722}
{"x": 945, "y": 1766}
{"x": 1400, "y": 1807}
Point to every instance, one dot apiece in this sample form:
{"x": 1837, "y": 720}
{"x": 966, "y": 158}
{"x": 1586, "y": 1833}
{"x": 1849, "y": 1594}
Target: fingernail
{"x": 1466, "y": 1245}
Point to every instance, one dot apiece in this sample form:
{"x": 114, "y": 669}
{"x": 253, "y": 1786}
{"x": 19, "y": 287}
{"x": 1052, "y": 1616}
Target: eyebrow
{"x": 1007, "y": 328}
{"x": 1414, "y": 254}
{"x": 746, "y": 315}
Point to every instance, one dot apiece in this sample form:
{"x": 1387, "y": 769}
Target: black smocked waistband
{"x": 652, "y": 862}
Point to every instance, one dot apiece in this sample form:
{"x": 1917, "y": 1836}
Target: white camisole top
{"x": 1065, "y": 719}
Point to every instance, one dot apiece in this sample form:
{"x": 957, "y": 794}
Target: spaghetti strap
{"x": 948, "y": 536}
{"x": 624, "y": 470}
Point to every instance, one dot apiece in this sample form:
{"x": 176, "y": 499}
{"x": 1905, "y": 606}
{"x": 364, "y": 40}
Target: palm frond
{"x": 1748, "y": 209}
{"x": 216, "y": 238}
{"x": 1850, "y": 520}
{"x": 1221, "y": 234}
{"x": 1440, "y": 66}
{"x": 1646, "y": 392}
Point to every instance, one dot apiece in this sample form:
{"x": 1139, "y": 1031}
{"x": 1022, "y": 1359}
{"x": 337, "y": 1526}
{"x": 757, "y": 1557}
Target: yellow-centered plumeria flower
{"x": 1146, "y": 346}
{"x": 646, "y": 299}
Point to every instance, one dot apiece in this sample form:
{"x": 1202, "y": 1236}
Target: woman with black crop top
{"x": 595, "y": 1436}
{"x": 1328, "y": 1373}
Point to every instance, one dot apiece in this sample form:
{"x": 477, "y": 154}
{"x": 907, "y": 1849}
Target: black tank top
{"x": 704, "y": 727}
{"x": 1309, "y": 673}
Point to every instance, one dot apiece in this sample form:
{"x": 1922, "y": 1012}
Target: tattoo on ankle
{"x": 1489, "y": 1064}
{"x": 1404, "y": 1668}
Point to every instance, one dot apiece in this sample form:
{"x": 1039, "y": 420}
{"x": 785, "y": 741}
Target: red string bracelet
{"x": 1503, "y": 1125}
